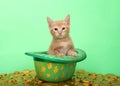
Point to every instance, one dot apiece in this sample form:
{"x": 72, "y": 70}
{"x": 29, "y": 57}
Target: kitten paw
{"x": 72, "y": 53}
{"x": 60, "y": 54}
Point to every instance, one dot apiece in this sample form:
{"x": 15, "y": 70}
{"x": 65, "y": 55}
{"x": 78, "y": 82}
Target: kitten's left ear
{"x": 50, "y": 21}
{"x": 67, "y": 19}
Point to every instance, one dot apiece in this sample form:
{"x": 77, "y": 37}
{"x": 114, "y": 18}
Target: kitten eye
{"x": 63, "y": 28}
{"x": 55, "y": 29}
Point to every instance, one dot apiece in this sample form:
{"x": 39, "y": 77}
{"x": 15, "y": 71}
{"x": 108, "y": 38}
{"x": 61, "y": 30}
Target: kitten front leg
{"x": 57, "y": 52}
{"x": 71, "y": 53}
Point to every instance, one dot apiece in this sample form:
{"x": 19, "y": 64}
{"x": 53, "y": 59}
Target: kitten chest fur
{"x": 62, "y": 45}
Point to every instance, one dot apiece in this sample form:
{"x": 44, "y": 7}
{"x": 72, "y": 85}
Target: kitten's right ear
{"x": 67, "y": 19}
{"x": 50, "y": 22}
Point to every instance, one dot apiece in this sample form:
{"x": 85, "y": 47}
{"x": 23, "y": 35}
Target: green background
{"x": 95, "y": 28}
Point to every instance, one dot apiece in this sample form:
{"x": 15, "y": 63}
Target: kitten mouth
{"x": 60, "y": 36}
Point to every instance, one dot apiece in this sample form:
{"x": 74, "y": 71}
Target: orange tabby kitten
{"x": 61, "y": 44}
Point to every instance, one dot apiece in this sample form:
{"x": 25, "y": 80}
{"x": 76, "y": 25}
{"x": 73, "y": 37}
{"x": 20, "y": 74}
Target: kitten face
{"x": 59, "y": 29}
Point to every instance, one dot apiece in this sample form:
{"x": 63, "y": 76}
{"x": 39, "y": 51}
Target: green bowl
{"x": 53, "y": 68}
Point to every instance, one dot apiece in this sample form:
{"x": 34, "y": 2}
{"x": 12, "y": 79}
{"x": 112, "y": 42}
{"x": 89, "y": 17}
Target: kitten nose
{"x": 60, "y": 32}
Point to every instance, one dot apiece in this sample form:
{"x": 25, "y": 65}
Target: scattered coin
{"x": 79, "y": 78}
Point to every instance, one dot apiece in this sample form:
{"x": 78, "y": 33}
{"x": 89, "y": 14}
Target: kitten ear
{"x": 67, "y": 19}
{"x": 50, "y": 21}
